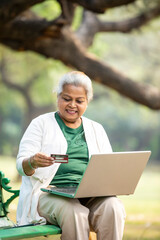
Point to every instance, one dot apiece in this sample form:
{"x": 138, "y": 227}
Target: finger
{"x": 43, "y": 161}
{"x": 44, "y": 156}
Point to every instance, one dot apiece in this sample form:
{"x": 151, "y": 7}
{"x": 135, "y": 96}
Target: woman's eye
{"x": 66, "y": 99}
{"x": 78, "y": 101}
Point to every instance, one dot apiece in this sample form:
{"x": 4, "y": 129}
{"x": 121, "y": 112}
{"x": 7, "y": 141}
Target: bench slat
{"x": 29, "y": 232}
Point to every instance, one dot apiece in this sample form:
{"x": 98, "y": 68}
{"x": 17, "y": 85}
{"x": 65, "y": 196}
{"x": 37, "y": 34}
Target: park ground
{"x": 142, "y": 208}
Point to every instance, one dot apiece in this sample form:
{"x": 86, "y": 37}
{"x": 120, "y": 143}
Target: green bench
{"x": 8, "y": 230}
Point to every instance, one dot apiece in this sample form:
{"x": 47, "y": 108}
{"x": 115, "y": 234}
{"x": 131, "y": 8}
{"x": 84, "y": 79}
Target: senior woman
{"x": 61, "y": 132}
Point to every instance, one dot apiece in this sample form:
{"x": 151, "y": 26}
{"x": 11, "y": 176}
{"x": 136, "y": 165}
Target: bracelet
{"x": 29, "y": 163}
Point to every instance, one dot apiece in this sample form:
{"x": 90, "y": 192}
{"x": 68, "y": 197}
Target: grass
{"x": 142, "y": 208}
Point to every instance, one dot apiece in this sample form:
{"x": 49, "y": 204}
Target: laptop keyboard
{"x": 70, "y": 190}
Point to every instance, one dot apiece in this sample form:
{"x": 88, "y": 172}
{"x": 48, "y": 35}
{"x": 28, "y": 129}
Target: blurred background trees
{"x": 117, "y": 47}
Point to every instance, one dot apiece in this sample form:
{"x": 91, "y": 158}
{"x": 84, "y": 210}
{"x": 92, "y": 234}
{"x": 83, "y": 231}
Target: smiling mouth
{"x": 71, "y": 111}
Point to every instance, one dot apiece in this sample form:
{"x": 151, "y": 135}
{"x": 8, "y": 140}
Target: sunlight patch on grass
{"x": 141, "y": 232}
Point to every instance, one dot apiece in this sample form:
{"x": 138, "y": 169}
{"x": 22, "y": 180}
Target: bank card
{"x": 60, "y": 158}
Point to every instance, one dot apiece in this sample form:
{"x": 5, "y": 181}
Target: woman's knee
{"x": 115, "y": 207}
{"x": 107, "y": 207}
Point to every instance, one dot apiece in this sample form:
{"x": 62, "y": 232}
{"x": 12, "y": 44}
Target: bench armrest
{"x": 4, "y": 206}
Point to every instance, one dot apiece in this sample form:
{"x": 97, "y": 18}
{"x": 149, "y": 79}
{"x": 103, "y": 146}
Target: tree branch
{"x": 10, "y": 9}
{"x": 91, "y": 25}
{"x": 29, "y": 26}
{"x": 128, "y": 25}
{"x": 67, "y": 10}
{"x": 21, "y": 30}
{"x": 55, "y": 40}
{"x": 12, "y": 85}
{"x": 61, "y": 49}
{"x": 99, "y": 6}
{"x": 33, "y": 110}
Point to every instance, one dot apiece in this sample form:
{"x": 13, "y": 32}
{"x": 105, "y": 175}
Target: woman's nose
{"x": 72, "y": 104}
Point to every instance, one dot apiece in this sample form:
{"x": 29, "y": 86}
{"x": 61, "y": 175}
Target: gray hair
{"x": 76, "y": 78}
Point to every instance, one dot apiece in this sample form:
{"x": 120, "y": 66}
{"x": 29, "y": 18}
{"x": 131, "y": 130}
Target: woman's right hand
{"x": 36, "y": 161}
{"x": 41, "y": 160}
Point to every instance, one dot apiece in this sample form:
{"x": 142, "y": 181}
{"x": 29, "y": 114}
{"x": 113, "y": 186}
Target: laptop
{"x": 110, "y": 174}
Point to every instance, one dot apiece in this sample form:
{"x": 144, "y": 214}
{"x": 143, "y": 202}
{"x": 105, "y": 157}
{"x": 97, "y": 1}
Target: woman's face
{"x": 72, "y": 103}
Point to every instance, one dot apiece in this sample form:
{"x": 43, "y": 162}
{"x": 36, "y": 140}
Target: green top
{"x": 70, "y": 174}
